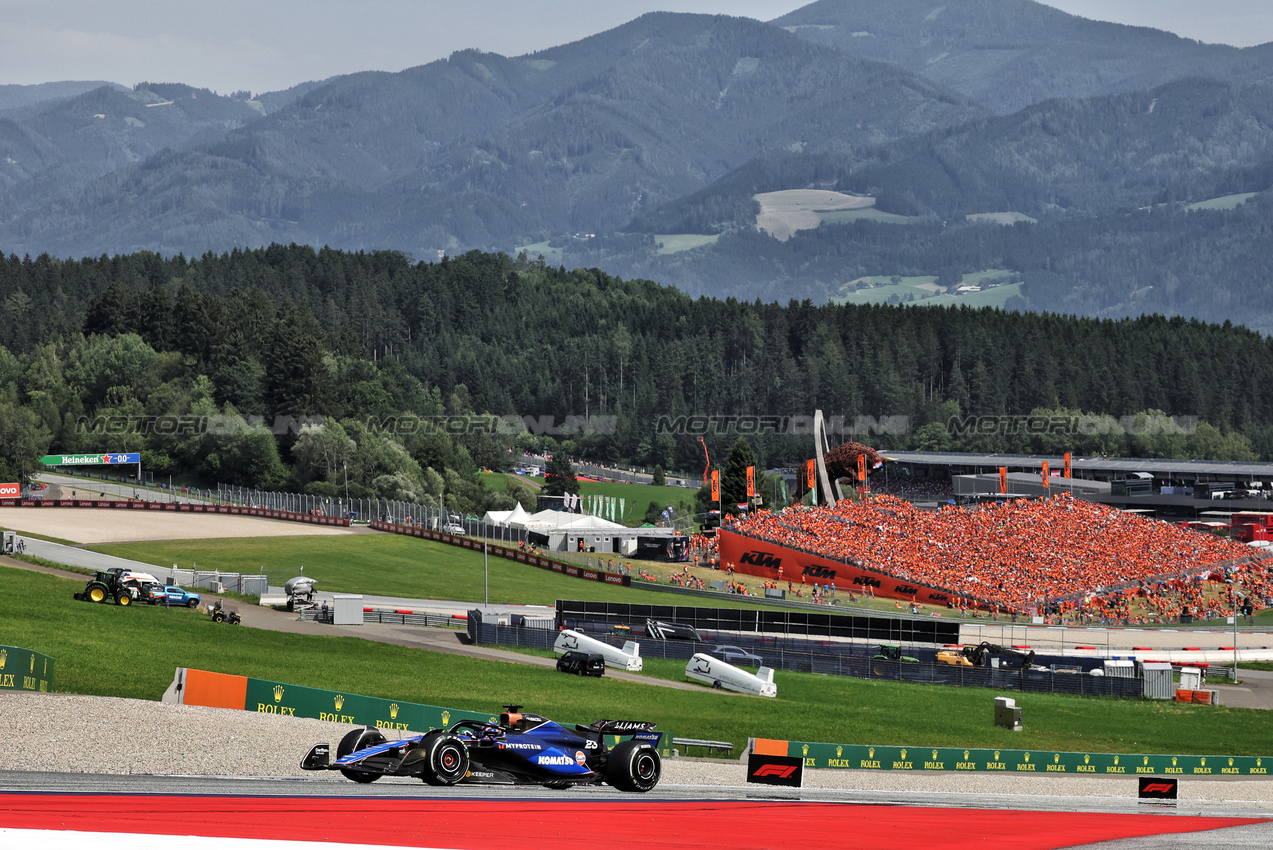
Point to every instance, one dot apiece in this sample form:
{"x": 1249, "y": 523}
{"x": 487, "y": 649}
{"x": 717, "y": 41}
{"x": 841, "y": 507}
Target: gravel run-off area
{"x": 55, "y": 732}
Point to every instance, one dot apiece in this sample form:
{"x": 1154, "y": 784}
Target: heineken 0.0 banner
{"x": 91, "y": 460}
{"x": 25, "y": 670}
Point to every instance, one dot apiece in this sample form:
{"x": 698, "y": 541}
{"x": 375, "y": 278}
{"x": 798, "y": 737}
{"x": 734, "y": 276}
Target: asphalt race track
{"x": 49, "y": 810}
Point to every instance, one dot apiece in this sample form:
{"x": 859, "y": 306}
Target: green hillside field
{"x": 132, "y": 652}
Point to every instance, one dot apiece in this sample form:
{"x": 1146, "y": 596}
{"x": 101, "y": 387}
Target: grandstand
{"x": 1021, "y": 556}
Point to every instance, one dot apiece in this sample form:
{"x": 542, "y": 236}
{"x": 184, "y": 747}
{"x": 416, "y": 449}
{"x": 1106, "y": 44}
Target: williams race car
{"x": 522, "y": 749}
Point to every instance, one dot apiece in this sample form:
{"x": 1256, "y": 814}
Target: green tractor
{"x": 886, "y": 660}
{"x": 106, "y": 587}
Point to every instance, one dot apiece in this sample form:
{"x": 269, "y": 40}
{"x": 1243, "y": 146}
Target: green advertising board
{"x": 920, "y": 759}
{"x": 268, "y": 697}
{"x": 103, "y": 459}
{"x": 25, "y": 670}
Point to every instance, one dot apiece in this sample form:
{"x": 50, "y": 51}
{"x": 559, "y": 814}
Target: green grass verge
{"x": 637, "y": 497}
{"x": 996, "y": 297}
{"x": 390, "y": 565}
{"x": 132, "y": 652}
{"x": 675, "y": 243}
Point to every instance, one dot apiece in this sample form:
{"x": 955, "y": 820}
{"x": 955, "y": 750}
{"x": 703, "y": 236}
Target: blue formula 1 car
{"x": 522, "y": 749}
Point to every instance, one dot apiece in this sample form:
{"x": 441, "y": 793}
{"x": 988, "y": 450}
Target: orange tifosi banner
{"x": 809, "y": 473}
{"x": 751, "y": 481}
{"x": 715, "y": 485}
{"x": 1047, "y": 482}
{"x": 1003, "y": 480}
{"x": 1065, "y": 471}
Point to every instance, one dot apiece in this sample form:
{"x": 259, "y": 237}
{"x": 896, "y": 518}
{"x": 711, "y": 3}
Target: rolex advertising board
{"x": 861, "y": 757}
{"x": 25, "y": 670}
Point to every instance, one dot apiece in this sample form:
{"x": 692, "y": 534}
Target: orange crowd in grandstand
{"x": 1015, "y": 555}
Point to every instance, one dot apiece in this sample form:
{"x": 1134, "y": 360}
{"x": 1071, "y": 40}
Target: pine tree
{"x": 733, "y": 481}
{"x": 559, "y": 478}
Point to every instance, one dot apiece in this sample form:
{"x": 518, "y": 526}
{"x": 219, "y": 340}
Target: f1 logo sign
{"x": 781, "y": 771}
{"x": 776, "y": 770}
{"x": 1155, "y": 789}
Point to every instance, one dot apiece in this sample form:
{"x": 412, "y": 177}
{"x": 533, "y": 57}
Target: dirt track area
{"x": 91, "y": 526}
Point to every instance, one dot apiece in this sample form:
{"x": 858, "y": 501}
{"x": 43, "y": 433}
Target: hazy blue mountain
{"x": 1008, "y": 54}
{"x": 13, "y": 96}
{"x": 482, "y": 150}
{"x": 49, "y": 150}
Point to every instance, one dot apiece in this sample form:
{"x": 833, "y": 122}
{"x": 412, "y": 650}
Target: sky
{"x": 267, "y": 45}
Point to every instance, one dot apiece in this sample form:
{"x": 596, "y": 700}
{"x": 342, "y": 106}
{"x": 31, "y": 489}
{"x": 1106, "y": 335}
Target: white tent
{"x": 545, "y": 521}
{"x": 516, "y": 518}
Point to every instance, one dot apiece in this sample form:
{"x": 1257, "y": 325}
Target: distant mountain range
{"x": 641, "y": 150}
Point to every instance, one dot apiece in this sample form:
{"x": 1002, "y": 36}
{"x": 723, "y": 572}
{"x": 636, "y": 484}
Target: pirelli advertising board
{"x": 25, "y": 670}
{"x": 920, "y": 759}
{"x": 223, "y": 690}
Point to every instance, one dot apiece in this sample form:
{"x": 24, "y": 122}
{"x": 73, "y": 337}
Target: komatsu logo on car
{"x": 760, "y": 559}
{"x": 561, "y": 760}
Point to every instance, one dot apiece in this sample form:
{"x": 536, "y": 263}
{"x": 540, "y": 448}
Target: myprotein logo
{"x": 761, "y": 559}
{"x": 775, "y": 770}
{"x": 819, "y": 571}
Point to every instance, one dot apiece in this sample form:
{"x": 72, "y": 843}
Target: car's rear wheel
{"x": 359, "y": 739}
{"x": 97, "y": 593}
{"x": 634, "y": 766}
{"x": 446, "y": 759}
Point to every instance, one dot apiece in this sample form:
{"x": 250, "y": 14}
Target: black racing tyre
{"x": 634, "y": 766}
{"x": 359, "y": 739}
{"x": 559, "y": 785}
{"x": 122, "y": 598}
{"x": 446, "y": 759}
{"x": 191, "y": 603}
{"x": 218, "y": 617}
{"x": 96, "y": 593}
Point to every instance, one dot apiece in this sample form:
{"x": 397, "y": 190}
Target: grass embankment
{"x": 396, "y": 565}
{"x": 132, "y": 652}
{"x": 637, "y": 497}
{"x": 393, "y": 565}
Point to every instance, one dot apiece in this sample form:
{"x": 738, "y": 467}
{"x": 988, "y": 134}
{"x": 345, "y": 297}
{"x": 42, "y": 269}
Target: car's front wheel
{"x": 446, "y": 759}
{"x": 634, "y": 766}
{"x": 190, "y": 603}
{"x": 359, "y": 739}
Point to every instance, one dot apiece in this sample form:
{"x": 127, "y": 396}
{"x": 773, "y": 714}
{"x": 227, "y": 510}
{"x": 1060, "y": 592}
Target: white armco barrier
{"x": 713, "y": 671}
{"x": 628, "y": 658}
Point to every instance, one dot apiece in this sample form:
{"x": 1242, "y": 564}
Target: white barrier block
{"x": 628, "y": 658}
{"x": 713, "y": 671}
